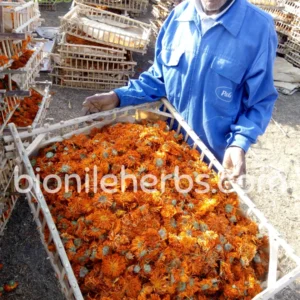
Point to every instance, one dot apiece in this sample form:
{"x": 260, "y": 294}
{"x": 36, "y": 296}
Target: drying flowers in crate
{"x": 8, "y": 50}
{"x": 32, "y": 110}
{"x": 11, "y": 50}
{"x": 94, "y": 58}
{"x": 128, "y": 6}
{"x": 107, "y": 28}
{"x": 20, "y": 17}
{"x": 71, "y": 44}
{"x": 25, "y": 68}
{"x": 157, "y": 245}
{"x": 87, "y": 80}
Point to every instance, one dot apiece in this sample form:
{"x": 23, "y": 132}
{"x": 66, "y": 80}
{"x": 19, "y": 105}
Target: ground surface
{"x": 276, "y": 153}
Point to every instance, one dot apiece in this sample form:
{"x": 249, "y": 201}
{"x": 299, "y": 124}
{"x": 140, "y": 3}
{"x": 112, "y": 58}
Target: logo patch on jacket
{"x": 224, "y": 93}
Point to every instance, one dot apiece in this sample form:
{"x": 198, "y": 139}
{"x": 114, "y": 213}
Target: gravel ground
{"x": 276, "y": 153}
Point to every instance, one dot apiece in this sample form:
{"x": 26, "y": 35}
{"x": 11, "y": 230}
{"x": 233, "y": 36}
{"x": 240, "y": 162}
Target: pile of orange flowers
{"x": 71, "y": 39}
{"x": 26, "y": 111}
{"x": 79, "y": 41}
{"x": 22, "y": 60}
{"x": 18, "y": 61}
{"x": 3, "y": 60}
{"x": 159, "y": 245}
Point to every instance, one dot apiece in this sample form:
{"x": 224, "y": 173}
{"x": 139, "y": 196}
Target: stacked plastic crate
{"x": 20, "y": 60}
{"x": 132, "y": 7}
{"x": 292, "y": 53}
{"x": 95, "y": 48}
{"x": 160, "y": 11}
{"x": 287, "y": 21}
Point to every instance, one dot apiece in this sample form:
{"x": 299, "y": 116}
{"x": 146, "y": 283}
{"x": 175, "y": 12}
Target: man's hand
{"x": 100, "y": 102}
{"x": 234, "y": 164}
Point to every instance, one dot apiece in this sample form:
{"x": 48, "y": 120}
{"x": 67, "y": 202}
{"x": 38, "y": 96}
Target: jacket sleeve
{"x": 259, "y": 98}
{"x": 150, "y": 85}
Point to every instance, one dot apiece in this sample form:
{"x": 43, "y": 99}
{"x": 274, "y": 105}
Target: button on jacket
{"x": 220, "y": 82}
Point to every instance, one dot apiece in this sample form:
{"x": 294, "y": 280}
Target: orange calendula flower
{"x": 113, "y": 265}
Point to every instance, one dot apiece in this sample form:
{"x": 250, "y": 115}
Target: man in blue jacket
{"x": 214, "y": 62}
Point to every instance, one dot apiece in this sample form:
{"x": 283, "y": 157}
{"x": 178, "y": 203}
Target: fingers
{"x": 234, "y": 167}
{"x": 91, "y": 105}
{"x": 238, "y": 170}
{"x": 224, "y": 178}
{"x": 85, "y": 111}
{"x": 91, "y": 99}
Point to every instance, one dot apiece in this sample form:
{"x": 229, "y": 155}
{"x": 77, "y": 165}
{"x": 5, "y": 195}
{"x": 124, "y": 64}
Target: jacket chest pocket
{"x": 226, "y": 79}
{"x": 170, "y": 57}
{"x": 173, "y": 64}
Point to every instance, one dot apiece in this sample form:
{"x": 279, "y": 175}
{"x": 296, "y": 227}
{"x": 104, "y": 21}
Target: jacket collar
{"x": 232, "y": 20}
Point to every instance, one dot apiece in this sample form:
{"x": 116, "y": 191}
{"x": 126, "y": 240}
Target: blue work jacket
{"x": 220, "y": 82}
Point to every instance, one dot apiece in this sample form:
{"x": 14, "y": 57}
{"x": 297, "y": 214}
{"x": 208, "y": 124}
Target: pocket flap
{"x": 170, "y": 58}
{"x": 228, "y": 69}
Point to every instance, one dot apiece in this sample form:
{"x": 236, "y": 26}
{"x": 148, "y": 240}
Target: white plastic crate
{"x": 31, "y": 70}
{"x": 280, "y": 15}
{"x": 160, "y": 11}
{"x": 43, "y": 88}
{"x": 47, "y": 5}
{"x": 292, "y": 7}
{"x": 20, "y": 17}
{"x": 293, "y": 57}
{"x": 8, "y": 197}
{"x": 90, "y": 82}
{"x": 282, "y": 49}
{"x": 8, "y": 105}
{"x": 156, "y": 25}
{"x": 92, "y": 58}
{"x": 67, "y": 48}
{"x": 295, "y": 36}
{"x": 265, "y": 4}
{"x": 283, "y": 28}
{"x": 9, "y": 48}
{"x": 103, "y": 27}
{"x": 296, "y": 22}
{"x": 134, "y": 6}
{"x": 281, "y": 254}
{"x": 290, "y": 44}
